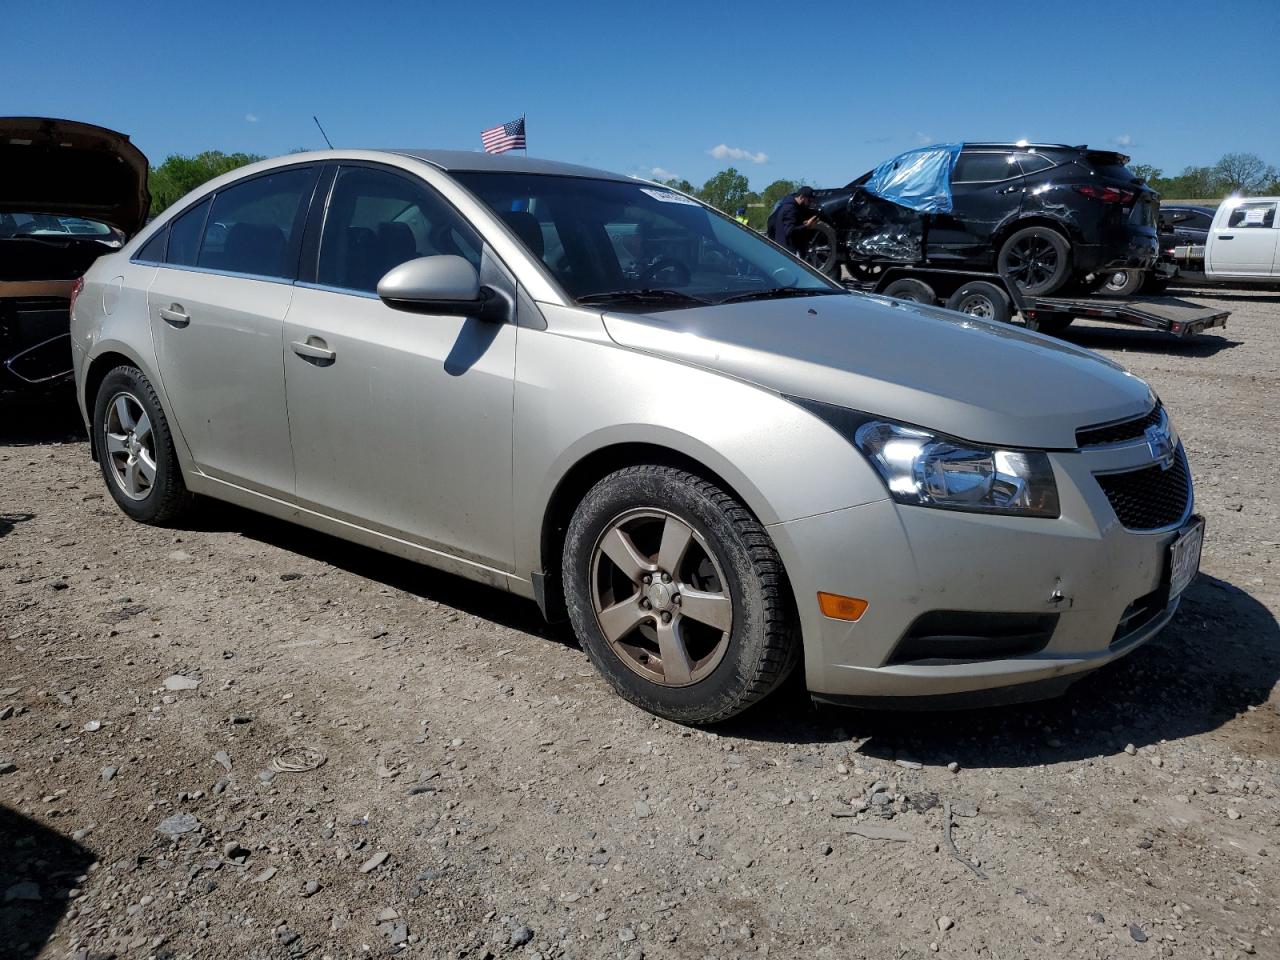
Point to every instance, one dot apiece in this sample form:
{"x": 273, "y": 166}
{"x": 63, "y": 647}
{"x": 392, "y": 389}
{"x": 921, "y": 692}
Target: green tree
{"x": 769, "y": 198}
{"x": 1147, "y": 172}
{"x": 1242, "y": 173}
{"x": 1193, "y": 183}
{"x": 684, "y": 186}
{"x": 726, "y": 191}
{"x": 179, "y": 175}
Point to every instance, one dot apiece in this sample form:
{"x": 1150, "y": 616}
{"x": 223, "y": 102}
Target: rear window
{"x": 1111, "y": 166}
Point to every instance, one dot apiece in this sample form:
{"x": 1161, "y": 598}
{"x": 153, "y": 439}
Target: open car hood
{"x": 67, "y": 168}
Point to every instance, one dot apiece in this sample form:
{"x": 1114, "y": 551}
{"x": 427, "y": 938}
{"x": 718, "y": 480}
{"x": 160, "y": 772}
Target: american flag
{"x": 504, "y": 137}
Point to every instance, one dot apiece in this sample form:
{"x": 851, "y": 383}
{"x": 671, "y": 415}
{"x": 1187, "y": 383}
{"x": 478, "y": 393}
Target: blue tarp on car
{"x": 918, "y": 179}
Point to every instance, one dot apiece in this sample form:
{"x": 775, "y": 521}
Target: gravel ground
{"x": 165, "y": 696}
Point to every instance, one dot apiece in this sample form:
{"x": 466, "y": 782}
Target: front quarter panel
{"x": 576, "y": 395}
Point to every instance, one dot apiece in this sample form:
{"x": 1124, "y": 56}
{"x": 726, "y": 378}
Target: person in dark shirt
{"x": 791, "y": 219}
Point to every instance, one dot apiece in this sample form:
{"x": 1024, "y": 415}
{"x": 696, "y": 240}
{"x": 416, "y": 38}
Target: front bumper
{"x": 1097, "y": 584}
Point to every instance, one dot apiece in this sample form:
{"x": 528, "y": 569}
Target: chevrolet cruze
{"x": 600, "y": 394}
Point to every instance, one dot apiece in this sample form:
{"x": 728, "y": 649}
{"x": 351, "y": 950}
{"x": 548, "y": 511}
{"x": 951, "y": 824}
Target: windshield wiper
{"x": 643, "y": 296}
{"x": 779, "y": 293}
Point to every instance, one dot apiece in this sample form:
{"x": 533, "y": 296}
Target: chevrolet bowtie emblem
{"x": 1160, "y": 445}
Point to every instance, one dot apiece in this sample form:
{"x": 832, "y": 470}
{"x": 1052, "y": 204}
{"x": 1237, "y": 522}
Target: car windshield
{"x": 619, "y": 242}
{"x": 50, "y": 225}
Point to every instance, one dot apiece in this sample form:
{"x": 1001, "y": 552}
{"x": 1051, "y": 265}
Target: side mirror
{"x": 441, "y": 284}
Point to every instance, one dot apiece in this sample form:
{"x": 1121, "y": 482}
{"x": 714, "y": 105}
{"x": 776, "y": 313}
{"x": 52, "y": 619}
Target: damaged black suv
{"x": 69, "y": 193}
{"x": 1047, "y": 216}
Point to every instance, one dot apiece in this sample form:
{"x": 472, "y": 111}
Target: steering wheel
{"x": 680, "y": 274}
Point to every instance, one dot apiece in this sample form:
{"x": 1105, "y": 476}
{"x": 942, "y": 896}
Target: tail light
{"x": 1106, "y": 194}
{"x": 75, "y": 292}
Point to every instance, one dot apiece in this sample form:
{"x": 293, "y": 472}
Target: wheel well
{"x": 98, "y": 370}
{"x": 1057, "y": 226}
{"x": 585, "y": 474}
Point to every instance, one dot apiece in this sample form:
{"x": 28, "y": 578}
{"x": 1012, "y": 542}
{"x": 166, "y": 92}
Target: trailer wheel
{"x": 917, "y": 291}
{"x": 823, "y": 252}
{"x": 1155, "y": 284}
{"x": 1037, "y": 259}
{"x": 1052, "y": 325}
{"x": 982, "y": 299}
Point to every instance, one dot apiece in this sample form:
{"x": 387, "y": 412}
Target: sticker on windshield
{"x": 666, "y": 196}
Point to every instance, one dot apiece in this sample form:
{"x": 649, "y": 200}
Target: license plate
{"x": 1184, "y": 557}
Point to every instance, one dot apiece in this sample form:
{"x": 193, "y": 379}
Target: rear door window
{"x": 377, "y": 220}
{"x": 1249, "y": 216}
{"x": 153, "y": 250}
{"x": 184, "y": 235}
{"x": 254, "y": 226}
{"x": 985, "y": 167}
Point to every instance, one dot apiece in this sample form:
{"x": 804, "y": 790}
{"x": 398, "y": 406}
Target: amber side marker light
{"x": 841, "y": 608}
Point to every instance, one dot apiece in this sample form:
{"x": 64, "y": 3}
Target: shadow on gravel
{"x": 27, "y": 421}
{"x": 37, "y": 869}
{"x": 1137, "y": 340}
{"x": 1260, "y": 295}
{"x": 1220, "y": 656}
{"x": 421, "y": 581}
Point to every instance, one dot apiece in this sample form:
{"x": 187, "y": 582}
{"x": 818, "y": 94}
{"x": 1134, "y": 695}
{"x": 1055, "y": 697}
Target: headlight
{"x": 928, "y": 469}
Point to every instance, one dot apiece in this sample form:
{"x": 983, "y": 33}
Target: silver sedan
{"x": 597, "y": 393}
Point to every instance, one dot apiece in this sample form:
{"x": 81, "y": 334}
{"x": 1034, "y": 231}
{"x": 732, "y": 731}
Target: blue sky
{"x": 815, "y": 91}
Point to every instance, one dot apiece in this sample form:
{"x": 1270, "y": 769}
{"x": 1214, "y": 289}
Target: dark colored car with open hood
{"x": 69, "y": 193}
{"x": 1044, "y": 215}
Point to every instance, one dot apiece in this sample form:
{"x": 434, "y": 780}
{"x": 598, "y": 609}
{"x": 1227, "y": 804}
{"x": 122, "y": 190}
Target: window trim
{"x": 304, "y": 211}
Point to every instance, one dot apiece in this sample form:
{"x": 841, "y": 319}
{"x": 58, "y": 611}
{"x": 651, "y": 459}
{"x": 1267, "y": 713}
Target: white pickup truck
{"x": 1243, "y": 243}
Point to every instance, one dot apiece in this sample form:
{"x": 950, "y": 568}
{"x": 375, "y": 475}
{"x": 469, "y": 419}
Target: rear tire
{"x": 1037, "y": 259}
{"x": 983, "y": 300}
{"x": 916, "y": 291}
{"x": 135, "y": 449}
{"x": 646, "y": 638}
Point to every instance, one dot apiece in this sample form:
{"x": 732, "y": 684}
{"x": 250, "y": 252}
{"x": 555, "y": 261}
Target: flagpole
{"x": 526, "y": 136}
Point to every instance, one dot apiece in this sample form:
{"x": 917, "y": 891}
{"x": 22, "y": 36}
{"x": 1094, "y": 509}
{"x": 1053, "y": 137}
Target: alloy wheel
{"x": 661, "y": 599}
{"x": 1032, "y": 261}
{"x": 130, "y": 445}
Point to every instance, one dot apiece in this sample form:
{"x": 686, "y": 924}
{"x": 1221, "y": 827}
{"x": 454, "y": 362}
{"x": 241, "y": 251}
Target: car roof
{"x": 455, "y": 161}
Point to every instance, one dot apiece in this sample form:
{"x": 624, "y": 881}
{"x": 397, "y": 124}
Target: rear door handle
{"x": 314, "y": 350}
{"x": 175, "y": 316}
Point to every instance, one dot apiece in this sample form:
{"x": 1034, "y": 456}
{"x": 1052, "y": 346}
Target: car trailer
{"x": 993, "y": 297}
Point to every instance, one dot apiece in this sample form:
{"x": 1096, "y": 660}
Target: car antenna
{"x": 322, "y": 133}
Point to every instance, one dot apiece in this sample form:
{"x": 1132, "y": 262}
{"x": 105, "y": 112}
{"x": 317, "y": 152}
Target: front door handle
{"x": 1227, "y": 236}
{"x": 314, "y": 350}
{"x": 175, "y": 316}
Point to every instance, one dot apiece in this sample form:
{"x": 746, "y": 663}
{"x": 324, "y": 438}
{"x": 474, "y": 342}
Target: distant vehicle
{"x": 69, "y": 192}
{"x": 602, "y": 395}
{"x": 1179, "y": 225}
{"x": 1047, "y": 216}
{"x": 1242, "y": 243}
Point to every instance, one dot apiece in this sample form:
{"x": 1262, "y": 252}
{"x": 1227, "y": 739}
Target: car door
{"x": 217, "y": 307}
{"x": 986, "y": 191}
{"x": 1242, "y": 242}
{"x": 401, "y": 422}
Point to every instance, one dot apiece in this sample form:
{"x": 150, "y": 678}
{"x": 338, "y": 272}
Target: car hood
{"x": 67, "y": 168}
{"x": 982, "y": 381}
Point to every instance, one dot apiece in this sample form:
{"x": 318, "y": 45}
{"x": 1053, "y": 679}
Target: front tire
{"x": 1037, "y": 259}
{"x": 678, "y": 595}
{"x": 135, "y": 449}
{"x": 823, "y": 251}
